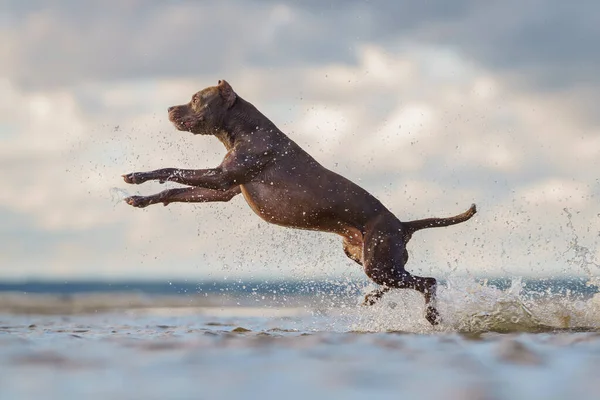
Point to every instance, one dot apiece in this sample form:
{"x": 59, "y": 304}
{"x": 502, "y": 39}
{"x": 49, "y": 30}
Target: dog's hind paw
{"x": 432, "y": 315}
{"x": 370, "y": 300}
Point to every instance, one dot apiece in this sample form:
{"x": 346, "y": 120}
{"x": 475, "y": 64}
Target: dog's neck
{"x": 225, "y": 137}
{"x": 243, "y": 119}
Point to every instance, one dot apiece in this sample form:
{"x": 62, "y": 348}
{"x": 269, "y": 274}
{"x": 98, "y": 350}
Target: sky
{"x": 430, "y": 106}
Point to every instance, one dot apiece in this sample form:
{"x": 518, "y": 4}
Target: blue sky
{"x": 431, "y": 107}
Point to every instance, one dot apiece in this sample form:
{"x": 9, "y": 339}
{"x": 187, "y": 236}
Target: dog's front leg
{"x": 184, "y": 195}
{"x": 236, "y": 169}
{"x": 213, "y": 178}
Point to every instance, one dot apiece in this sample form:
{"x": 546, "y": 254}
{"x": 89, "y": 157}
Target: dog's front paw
{"x": 134, "y": 178}
{"x": 138, "y": 201}
{"x": 432, "y": 315}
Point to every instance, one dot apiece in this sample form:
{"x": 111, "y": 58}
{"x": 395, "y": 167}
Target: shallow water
{"x": 492, "y": 344}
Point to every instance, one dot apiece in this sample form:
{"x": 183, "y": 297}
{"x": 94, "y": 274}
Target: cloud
{"x": 547, "y": 45}
{"x": 405, "y": 100}
{"x": 161, "y": 39}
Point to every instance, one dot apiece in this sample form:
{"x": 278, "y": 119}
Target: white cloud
{"x": 424, "y": 128}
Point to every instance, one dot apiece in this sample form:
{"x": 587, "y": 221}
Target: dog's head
{"x": 205, "y": 113}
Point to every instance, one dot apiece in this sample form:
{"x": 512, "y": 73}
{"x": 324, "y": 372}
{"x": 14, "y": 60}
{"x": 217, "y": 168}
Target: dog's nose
{"x": 171, "y": 108}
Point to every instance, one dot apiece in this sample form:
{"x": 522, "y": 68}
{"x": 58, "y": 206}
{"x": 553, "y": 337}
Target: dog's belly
{"x": 297, "y": 208}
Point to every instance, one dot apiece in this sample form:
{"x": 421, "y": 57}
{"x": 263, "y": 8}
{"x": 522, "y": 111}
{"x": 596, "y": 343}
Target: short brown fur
{"x": 284, "y": 185}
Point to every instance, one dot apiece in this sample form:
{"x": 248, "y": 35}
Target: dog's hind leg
{"x": 354, "y": 250}
{"x": 384, "y": 259}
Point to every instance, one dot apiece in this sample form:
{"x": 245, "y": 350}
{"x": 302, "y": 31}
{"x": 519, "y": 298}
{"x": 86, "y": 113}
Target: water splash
{"x": 467, "y": 305}
{"x": 583, "y": 257}
{"x": 117, "y": 195}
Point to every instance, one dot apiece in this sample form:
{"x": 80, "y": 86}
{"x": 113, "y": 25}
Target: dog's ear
{"x": 227, "y": 93}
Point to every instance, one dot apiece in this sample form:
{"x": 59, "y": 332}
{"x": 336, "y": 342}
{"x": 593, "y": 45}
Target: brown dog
{"x": 284, "y": 185}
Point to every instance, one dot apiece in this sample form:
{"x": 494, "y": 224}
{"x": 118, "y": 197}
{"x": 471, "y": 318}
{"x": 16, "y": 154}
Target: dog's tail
{"x": 413, "y": 226}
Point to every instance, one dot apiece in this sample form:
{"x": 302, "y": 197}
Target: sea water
{"x": 515, "y": 340}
